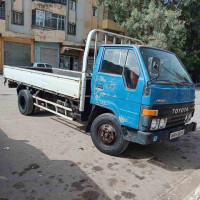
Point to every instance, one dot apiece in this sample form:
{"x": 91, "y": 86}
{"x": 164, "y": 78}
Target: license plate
{"x": 177, "y": 134}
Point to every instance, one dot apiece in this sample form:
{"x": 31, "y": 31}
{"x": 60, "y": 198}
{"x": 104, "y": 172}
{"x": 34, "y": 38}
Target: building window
{"x": 71, "y": 29}
{"x": 60, "y": 22}
{"x": 48, "y": 20}
{"x": 94, "y": 12}
{"x": 73, "y": 5}
{"x": 17, "y": 18}
{"x": 40, "y": 18}
{"x": 2, "y": 10}
{"x": 54, "y": 21}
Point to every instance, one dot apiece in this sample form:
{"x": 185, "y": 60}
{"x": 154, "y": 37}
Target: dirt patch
{"x": 128, "y": 195}
{"x": 78, "y": 185}
{"x": 90, "y": 195}
{"x": 117, "y": 197}
{"x": 19, "y": 185}
{"x": 139, "y": 177}
{"x": 97, "y": 168}
{"x": 112, "y": 182}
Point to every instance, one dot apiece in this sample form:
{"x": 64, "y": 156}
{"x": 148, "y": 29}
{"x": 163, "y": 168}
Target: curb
{"x": 194, "y": 195}
{"x": 186, "y": 188}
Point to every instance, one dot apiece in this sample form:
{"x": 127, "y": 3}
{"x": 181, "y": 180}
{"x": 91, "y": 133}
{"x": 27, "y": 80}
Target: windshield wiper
{"x": 187, "y": 83}
{"x": 152, "y": 80}
{"x": 168, "y": 81}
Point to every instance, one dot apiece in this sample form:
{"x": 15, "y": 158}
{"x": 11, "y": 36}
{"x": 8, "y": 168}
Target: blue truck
{"x": 134, "y": 93}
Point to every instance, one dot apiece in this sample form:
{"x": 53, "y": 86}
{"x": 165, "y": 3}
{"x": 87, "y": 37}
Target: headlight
{"x": 163, "y": 123}
{"x": 155, "y": 124}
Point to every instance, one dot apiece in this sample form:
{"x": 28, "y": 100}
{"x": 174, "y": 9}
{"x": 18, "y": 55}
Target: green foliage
{"x": 191, "y": 14}
{"x": 151, "y": 21}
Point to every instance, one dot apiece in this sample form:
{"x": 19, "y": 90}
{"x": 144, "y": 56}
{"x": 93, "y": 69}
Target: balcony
{"x": 47, "y": 21}
{"x": 48, "y": 36}
{"x": 112, "y": 26}
{"x": 64, "y": 2}
{"x": 50, "y": 6}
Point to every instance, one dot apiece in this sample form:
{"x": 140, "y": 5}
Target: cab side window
{"x": 114, "y": 61}
{"x": 131, "y": 71}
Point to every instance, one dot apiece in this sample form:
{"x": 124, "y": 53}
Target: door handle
{"x": 100, "y": 87}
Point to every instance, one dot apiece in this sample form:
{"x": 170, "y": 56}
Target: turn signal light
{"x": 147, "y": 112}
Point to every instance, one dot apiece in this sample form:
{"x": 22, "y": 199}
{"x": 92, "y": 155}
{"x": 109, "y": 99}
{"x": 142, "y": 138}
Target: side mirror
{"x": 154, "y": 66}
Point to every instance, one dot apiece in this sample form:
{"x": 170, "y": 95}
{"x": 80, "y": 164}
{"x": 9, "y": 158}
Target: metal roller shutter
{"x": 49, "y": 55}
{"x": 17, "y": 54}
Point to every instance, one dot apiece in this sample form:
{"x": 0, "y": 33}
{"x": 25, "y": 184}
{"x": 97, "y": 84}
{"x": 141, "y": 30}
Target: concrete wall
{"x": 27, "y": 9}
{"x": 1, "y": 54}
{"x": 18, "y": 5}
{"x": 48, "y": 36}
{"x": 85, "y": 20}
{"x": 92, "y": 22}
{"x": 2, "y": 26}
{"x": 80, "y": 13}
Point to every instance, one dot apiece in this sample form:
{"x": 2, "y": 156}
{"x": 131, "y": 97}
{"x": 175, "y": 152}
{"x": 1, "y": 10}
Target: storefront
{"x": 46, "y": 52}
{"x": 71, "y": 58}
{"x": 16, "y": 51}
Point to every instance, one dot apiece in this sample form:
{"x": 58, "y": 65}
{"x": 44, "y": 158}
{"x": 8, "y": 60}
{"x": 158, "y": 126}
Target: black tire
{"x": 107, "y": 135}
{"x": 25, "y": 102}
{"x": 36, "y": 110}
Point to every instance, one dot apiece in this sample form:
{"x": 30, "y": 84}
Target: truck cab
{"x": 147, "y": 89}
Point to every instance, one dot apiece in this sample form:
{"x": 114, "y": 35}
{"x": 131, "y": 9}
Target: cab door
{"x": 118, "y": 84}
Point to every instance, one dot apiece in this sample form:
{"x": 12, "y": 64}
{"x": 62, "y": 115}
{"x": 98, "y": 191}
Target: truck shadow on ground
{"x": 74, "y": 125}
{"x": 27, "y": 174}
{"x": 181, "y": 154}
{"x": 42, "y": 113}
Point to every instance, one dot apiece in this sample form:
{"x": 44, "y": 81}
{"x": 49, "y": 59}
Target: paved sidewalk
{"x": 46, "y": 157}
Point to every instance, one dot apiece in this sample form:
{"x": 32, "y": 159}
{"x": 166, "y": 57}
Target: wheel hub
{"x": 107, "y": 134}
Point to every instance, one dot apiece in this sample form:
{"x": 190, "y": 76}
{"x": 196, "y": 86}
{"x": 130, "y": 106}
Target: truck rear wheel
{"x": 25, "y": 102}
{"x": 107, "y": 135}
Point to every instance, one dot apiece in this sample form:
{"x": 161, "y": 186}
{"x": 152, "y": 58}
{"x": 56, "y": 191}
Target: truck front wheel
{"x": 107, "y": 135}
{"x": 25, "y": 102}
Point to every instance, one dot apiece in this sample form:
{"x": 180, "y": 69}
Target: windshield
{"x": 171, "y": 68}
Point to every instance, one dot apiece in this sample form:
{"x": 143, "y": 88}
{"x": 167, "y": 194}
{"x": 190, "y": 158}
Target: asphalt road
{"x": 47, "y": 157}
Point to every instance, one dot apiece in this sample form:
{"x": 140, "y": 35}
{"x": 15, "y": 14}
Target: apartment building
{"x": 50, "y": 31}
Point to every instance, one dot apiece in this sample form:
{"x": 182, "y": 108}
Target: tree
{"x": 151, "y": 21}
{"x": 191, "y": 15}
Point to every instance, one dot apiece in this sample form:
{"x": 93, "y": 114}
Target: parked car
{"x": 41, "y": 65}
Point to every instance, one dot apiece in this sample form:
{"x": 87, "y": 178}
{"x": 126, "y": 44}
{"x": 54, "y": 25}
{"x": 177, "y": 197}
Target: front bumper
{"x": 146, "y": 138}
